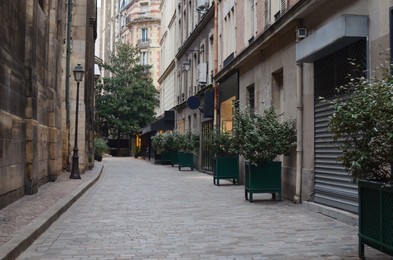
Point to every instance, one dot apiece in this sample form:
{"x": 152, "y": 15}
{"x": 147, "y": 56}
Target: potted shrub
{"x": 226, "y": 160}
{"x": 260, "y": 139}
{"x": 137, "y": 151}
{"x": 187, "y": 144}
{"x": 171, "y": 147}
{"x": 363, "y": 121}
{"x": 158, "y": 143}
{"x": 100, "y": 148}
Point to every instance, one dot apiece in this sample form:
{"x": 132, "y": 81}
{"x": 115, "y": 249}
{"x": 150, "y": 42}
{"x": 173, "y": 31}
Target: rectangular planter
{"x": 173, "y": 158}
{"x": 263, "y": 178}
{"x": 186, "y": 160}
{"x": 166, "y": 158}
{"x": 226, "y": 168}
{"x": 375, "y": 216}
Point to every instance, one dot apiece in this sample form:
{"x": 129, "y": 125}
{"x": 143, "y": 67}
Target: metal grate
{"x": 207, "y": 156}
{"x": 335, "y": 70}
{"x": 333, "y": 186}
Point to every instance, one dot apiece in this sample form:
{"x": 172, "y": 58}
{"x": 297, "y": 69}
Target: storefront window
{"x": 226, "y": 114}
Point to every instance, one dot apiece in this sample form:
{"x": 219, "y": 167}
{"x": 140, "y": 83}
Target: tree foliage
{"x": 126, "y": 100}
{"x": 364, "y": 123}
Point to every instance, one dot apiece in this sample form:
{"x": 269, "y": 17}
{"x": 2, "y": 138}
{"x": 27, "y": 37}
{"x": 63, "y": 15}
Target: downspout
{"x": 299, "y": 132}
{"x": 67, "y": 77}
{"x": 215, "y": 42}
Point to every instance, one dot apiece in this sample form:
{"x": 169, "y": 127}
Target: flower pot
{"x": 263, "y": 178}
{"x": 226, "y": 168}
{"x": 186, "y": 160}
{"x": 375, "y": 216}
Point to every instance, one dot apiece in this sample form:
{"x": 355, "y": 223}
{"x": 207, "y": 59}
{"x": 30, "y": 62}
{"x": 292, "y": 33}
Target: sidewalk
{"x": 24, "y": 220}
{"x": 139, "y": 210}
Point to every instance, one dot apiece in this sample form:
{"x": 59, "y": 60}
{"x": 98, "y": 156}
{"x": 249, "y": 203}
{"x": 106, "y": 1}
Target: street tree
{"x": 126, "y": 99}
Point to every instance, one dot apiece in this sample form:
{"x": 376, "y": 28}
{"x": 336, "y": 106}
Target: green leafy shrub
{"x": 158, "y": 142}
{"x": 100, "y": 146}
{"x": 363, "y": 121}
{"x": 222, "y": 144}
{"x": 261, "y": 138}
{"x": 188, "y": 142}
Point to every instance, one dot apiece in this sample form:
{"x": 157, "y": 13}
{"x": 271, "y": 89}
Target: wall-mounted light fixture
{"x": 301, "y": 33}
{"x": 187, "y": 61}
{"x": 186, "y": 64}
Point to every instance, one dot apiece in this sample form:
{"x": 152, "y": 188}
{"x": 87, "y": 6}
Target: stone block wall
{"x": 31, "y": 33}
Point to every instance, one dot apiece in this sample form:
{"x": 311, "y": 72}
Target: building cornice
{"x": 168, "y": 70}
{"x": 198, "y": 29}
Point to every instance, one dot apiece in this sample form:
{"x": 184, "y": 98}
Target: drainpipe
{"x": 67, "y": 77}
{"x": 299, "y": 132}
{"x": 215, "y": 42}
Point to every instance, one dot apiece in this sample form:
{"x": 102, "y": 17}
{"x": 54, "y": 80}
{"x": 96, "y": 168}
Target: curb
{"x": 14, "y": 247}
{"x": 340, "y": 215}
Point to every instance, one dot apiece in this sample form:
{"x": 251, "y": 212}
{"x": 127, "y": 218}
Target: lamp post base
{"x": 75, "y": 174}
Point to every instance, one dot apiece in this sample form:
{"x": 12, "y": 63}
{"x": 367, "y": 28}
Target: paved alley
{"x": 138, "y": 210}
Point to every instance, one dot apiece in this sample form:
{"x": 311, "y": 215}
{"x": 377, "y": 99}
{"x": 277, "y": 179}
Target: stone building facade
{"x": 31, "y": 94}
{"x": 298, "y": 51}
{"x": 142, "y": 19}
{"x": 30, "y": 108}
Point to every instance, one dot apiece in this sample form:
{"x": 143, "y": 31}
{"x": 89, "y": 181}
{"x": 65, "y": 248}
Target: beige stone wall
{"x": 30, "y": 124}
{"x": 260, "y": 72}
{"x": 280, "y": 55}
{"x": 82, "y": 52}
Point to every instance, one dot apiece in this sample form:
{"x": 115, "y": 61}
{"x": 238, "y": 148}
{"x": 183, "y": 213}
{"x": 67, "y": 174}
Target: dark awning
{"x": 166, "y": 122}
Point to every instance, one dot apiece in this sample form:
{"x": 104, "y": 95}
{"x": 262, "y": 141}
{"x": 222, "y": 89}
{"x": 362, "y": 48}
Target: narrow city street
{"x": 138, "y": 210}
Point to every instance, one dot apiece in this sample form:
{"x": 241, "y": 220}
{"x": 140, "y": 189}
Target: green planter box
{"x": 166, "y": 157}
{"x": 226, "y": 168}
{"x": 375, "y": 216}
{"x": 263, "y": 178}
{"x": 186, "y": 160}
{"x": 173, "y": 158}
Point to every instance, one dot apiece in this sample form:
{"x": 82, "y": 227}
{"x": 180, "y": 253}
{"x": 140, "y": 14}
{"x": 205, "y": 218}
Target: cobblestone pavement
{"x": 138, "y": 210}
{"x": 19, "y": 219}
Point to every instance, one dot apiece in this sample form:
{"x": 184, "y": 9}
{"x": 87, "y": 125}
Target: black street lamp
{"x": 78, "y": 76}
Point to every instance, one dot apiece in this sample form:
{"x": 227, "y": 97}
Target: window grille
{"x": 207, "y": 156}
{"x": 335, "y": 70}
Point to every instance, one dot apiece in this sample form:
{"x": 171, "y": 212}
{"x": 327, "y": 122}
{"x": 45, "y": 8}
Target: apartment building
{"x": 140, "y": 26}
{"x": 287, "y": 54}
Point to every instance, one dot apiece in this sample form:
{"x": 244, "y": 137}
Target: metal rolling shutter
{"x": 333, "y": 185}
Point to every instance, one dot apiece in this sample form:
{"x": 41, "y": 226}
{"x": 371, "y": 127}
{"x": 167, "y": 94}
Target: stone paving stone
{"x": 16, "y": 216}
{"x": 138, "y": 210}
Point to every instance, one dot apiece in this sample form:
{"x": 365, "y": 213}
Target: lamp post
{"x": 78, "y": 77}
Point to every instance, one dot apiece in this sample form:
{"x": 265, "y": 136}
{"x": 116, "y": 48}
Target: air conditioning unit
{"x": 202, "y": 5}
{"x": 202, "y": 73}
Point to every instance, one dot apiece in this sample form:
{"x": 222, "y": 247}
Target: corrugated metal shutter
{"x": 333, "y": 186}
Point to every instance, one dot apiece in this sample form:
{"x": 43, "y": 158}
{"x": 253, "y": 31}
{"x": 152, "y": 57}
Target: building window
{"x": 144, "y": 35}
{"x": 249, "y": 17}
{"x": 144, "y": 58}
{"x": 144, "y": 7}
{"x": 251, "y": 98}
